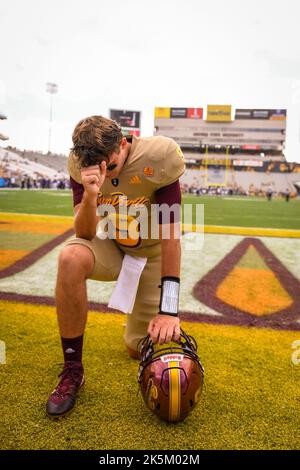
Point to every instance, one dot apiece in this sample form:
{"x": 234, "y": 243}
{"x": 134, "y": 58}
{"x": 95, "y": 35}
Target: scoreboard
{"x": 128, "y": 120}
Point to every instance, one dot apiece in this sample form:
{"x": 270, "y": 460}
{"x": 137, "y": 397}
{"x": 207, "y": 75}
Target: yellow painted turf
{"x": 246, "y": 231}
{"x": 251, "y": 397}
{"x": 257, "y": 291}
{"x": 39, "y": 217}
{"x": 34, "y": 223}
{"x": 8, "y": 257}
{"x": 40, "y": 223}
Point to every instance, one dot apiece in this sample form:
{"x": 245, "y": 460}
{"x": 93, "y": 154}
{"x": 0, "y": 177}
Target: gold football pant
{"x": 108, "y": 261}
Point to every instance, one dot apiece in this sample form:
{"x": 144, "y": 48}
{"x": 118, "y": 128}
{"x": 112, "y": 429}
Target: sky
{"x": 139, "y": 54}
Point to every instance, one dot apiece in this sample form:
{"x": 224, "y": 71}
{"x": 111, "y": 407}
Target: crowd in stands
{"x": 214, "y": 190}
{"x": 17, "y": 171}
{"x": 25, "y": 182}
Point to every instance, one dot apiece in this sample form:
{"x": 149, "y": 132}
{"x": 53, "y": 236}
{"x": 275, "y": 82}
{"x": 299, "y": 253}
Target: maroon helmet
{"x": 171, "y": 377}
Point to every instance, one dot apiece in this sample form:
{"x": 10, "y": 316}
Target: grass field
{"x": 240, "y": 212}
{"x": 36, "y": 202}
{"x": 251, "y": 396}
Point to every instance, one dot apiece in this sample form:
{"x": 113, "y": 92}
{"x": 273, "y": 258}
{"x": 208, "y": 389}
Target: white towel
{"x": 124, "y": 293}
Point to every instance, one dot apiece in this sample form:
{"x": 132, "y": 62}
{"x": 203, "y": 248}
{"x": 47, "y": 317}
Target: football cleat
{"x": 63, "y": 397}
{"x": 171, "y": 377}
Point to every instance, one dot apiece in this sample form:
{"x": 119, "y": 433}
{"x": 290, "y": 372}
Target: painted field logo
{"x": 26, "y": 238}
{"x": 296, "y": 353}
{"x": 251, "y": 286}
{"x": 2, "y": 352}
{"x": 172, "y": 357}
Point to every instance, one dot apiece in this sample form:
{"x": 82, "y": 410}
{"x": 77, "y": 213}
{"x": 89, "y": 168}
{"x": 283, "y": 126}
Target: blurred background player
{"x": 287, "y": 194}
{"x": 269, "y": 193}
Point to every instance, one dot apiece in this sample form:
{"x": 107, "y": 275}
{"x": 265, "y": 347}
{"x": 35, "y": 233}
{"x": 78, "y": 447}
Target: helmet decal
{"x": 174, "y": 391}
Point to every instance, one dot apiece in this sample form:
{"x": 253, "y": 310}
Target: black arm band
{"x": 169, "y": 296}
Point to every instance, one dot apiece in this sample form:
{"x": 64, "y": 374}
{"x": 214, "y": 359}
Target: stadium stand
{"x": 19, "y": 171}
{"x": 240, "y": 182}
{"x": 52, "y": 160}
{"x": 243, "y": 154}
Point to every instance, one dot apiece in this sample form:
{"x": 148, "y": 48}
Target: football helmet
{"x": 170, "y": 377}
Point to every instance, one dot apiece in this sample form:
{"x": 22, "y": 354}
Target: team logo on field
{"x": 250, "y": 286}
{"x": 44, "y": 233}
{"x": 135, "y": 180}
{"x": 148, "y": 171}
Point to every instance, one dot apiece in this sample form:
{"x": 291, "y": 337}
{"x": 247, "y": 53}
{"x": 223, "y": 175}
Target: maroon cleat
{"x": 63, "y": 397}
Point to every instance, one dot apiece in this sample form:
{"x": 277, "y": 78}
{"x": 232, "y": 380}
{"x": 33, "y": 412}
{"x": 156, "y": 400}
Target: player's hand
{"x": 164, "y": 328}
{"x": 92, "y": 178}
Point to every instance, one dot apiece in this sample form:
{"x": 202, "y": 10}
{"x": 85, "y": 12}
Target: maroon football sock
{"x": 72, "y": 348}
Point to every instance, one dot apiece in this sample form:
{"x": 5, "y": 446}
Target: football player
{"x": 105, "y": 168}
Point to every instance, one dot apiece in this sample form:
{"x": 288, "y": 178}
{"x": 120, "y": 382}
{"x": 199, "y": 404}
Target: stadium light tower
{"x": 52, "y": 88}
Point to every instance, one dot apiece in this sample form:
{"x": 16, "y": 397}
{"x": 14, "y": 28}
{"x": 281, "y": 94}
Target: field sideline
{"x": 238, "y": 212}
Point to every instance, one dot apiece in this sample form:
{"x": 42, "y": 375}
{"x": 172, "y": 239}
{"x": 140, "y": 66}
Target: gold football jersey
{"x": 153, "y": 162}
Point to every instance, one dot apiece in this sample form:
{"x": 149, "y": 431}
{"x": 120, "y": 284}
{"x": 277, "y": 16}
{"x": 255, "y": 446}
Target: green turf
{"x": 248, "y": 211}
{"x": 36, "y": 202}
{"x": 251, "y": 396}
{"x": 241, "y": 212}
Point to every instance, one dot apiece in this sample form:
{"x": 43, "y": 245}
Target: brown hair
{"x": 94, "y": 139}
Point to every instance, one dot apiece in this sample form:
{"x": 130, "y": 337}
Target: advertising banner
{"x": 218, "y": 113}
{"x": 195, "y": 113}
{"x": 162, "y": 113}
{"x": 272, "y": 114}
{"x": 178, "y": 112}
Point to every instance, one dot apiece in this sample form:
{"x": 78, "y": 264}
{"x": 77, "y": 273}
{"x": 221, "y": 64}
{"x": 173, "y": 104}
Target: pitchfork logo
{"x": 172, "y": 357}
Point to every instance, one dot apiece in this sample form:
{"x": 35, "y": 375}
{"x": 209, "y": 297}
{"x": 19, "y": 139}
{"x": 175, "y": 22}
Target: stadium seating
{"x": 246, "y": 181}
{"x": 35, "y": 165}
{"x": 18, "y": 167}
{"x": 57, "y": 162}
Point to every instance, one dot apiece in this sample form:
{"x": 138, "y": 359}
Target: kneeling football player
{"x": 106, "y": 169}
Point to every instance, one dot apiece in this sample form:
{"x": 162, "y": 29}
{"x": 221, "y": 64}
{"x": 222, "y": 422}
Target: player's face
{"x": 114, "y": 166}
